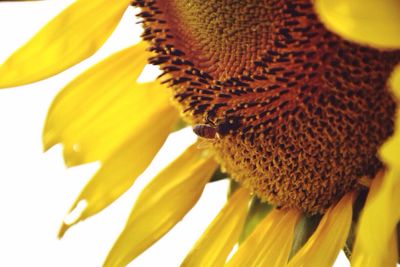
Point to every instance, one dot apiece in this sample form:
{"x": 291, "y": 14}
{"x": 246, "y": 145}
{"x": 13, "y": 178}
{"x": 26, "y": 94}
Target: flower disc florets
{"x": 303, "y": 112}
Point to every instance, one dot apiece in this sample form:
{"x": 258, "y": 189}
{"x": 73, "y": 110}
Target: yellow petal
{"x": 395, "y": 82}
{"x": 372, "y": 22}
{"x": 120, "y": 169}
{"x": 162, "y": 204}
{"x": 377, "y": 224}
{"x": 93, "y": 90}
{"x": 73, "y": 35}
{"x": 270, "y": 242}
{"x": 217, "y": 241}
{"x": 392, "y": 254}
{"x": 390, "y": 151}
{"x": 102, "y": 107}
{"x": 131, "y": 114}
{"x": 324, "y": 245}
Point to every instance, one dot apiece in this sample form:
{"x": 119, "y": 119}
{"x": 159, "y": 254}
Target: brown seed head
{"x": 302, "y": 111}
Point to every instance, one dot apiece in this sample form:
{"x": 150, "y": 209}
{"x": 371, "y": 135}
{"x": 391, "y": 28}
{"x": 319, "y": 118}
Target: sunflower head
{"x": 293, "y": 112}
{"x": 281, "y": 91}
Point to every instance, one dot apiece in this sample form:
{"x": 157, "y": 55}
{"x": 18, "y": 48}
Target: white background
{"x": 36, "y": 189}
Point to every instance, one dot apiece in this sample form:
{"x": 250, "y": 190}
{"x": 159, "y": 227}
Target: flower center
{"x": 223, "y": 38}
{"x": 299, "y": 113}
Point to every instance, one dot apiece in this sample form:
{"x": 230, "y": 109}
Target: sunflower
{"x": 294, "y": 100}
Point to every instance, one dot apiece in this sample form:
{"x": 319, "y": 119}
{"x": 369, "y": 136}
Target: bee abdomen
{"x": 205, "y": 131}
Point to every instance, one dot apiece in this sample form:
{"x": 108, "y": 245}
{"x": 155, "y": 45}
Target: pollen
{"x": 300, "y": 113}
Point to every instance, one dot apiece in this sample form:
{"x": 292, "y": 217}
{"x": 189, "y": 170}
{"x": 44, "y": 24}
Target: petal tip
{"x": 74, "y": 215}
{"x": 48, "y": 140}
{"x": 63, "y": 229}
{"x": 71, "y": 155}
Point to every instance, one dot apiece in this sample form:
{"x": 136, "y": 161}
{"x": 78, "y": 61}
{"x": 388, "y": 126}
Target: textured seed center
{"x": 299, "y": 112}
{"x": 223, "y": 37}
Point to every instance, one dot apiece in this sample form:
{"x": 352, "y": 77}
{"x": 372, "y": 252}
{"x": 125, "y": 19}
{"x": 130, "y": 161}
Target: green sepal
{"x": 218, "y": 175}
{"x": 357, "y": 208}
{"x": 256, "y": 213}
{"x": 305, "y": 227}
{"x": 233, "y": 186}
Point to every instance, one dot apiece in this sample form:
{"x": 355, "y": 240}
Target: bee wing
{"x": 204, "y": 143}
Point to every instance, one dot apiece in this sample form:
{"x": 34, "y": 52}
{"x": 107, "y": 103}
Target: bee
{"x": 212, "y": 131}
{"x": 206, "y": 131}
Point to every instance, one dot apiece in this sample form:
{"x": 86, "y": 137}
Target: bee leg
{"x": 209, "y": 121}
